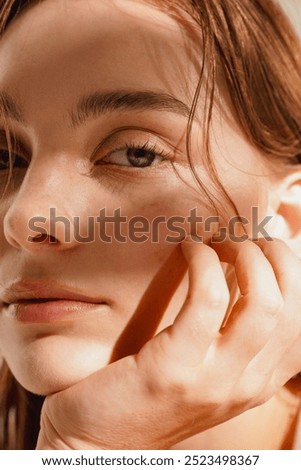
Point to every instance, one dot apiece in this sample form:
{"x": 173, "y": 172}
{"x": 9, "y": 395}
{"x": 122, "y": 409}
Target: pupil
{"x": 140, "y": 157}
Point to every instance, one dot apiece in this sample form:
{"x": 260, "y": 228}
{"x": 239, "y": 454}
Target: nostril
{"x": 52, "y": 239}
{"x": 43, "y": 237}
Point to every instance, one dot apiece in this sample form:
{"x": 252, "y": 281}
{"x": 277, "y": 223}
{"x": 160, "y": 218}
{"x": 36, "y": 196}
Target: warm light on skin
{"x": 50, "y": 57}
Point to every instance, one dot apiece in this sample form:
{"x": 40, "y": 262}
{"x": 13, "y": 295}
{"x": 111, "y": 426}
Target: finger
{"x": 200, "y": 318}
{"x": 257, "y": 312}
{"x": 286, "y": 337}
{"x": 286, "y": 264}
{"x": 281, "y": 356}
{"x": 289, "y": 365}
{"x": 277, "y": 363}
{"x": 251, "y": 266}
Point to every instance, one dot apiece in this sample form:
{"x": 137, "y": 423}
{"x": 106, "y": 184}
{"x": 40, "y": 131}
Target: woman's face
{"x": 97, "y": 93}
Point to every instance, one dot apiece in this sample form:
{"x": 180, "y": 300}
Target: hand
{"x": 194, "y": 374}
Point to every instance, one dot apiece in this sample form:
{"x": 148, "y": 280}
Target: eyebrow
{"x": 9, "y": 108}
{"x": 96, "y": 104}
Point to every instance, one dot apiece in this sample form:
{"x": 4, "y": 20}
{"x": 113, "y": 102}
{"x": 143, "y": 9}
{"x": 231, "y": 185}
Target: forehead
{"x": 92, "y": 44}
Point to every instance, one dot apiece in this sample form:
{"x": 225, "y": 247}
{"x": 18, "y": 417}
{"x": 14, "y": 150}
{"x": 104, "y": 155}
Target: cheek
{"x": 144, "y": 214}
{"x": 140, "y": 279}
{"x": 251, "y": 198}
{"x": 243, "y": 173}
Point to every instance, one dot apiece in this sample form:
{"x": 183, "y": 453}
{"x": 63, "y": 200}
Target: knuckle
{"x": 253, "y": 391}
{"x": 215, "y": 297}
{"x": 260, "y": 398}
{"x": 218, "y": 397}
{"x": 165, "y": 377}
{"x": 245, "y": 394}
{"x": 178, "y": 386}
{"x": 271, "y": 304}
{"x": 248, "y": 397}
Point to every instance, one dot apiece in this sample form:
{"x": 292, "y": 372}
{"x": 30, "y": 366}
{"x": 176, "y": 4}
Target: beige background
{"x": 293, "y": 9}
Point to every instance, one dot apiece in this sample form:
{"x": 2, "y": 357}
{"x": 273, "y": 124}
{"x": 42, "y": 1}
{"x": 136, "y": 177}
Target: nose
{"x": 41, "y": 215}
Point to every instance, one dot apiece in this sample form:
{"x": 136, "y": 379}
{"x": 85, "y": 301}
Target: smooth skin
{"x": 174, "y": 378}
{"x": 55, "y": 53}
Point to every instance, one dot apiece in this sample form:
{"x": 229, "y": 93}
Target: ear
{"x": 285, "y": 207}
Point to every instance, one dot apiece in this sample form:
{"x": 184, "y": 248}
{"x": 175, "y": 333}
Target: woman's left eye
{"x": 132, "y": 156}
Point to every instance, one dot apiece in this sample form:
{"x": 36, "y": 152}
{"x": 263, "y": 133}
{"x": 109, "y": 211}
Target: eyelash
{"x": 147, "y": 147}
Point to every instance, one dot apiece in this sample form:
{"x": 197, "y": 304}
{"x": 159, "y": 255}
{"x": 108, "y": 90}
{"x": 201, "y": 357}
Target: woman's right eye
{"x": 17, "y": 161}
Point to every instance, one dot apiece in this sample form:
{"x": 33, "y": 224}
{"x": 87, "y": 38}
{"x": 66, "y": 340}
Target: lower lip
{"x": 51, "y": 310}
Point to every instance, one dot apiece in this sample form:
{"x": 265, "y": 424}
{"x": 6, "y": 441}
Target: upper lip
{"x": 50, "y": 290}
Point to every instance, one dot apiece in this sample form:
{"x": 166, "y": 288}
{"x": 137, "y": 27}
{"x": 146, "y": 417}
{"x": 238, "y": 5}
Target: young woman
{"x": 150, "y": 224}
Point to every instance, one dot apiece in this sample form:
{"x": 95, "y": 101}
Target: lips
{"x": 47, "y": 301}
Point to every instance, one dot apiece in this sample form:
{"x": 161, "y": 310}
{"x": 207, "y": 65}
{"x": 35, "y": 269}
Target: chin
{"x": 50, "y": 365}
